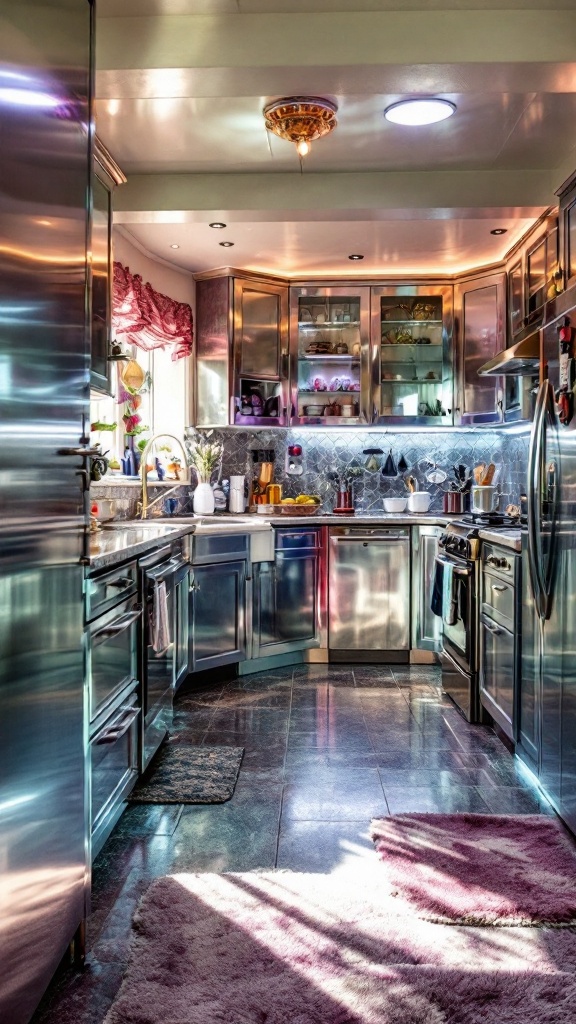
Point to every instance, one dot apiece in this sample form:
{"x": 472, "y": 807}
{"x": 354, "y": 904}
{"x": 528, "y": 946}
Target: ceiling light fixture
{"x": 174, "y": 246}
{"x": 419, "y": 112}
{"x": 499, "y": 231}
{"x": 226, "y": 244}
{"x": 216, "y": 224}
{"x": 355, "y": 256}
{"x": 301, "y": 120}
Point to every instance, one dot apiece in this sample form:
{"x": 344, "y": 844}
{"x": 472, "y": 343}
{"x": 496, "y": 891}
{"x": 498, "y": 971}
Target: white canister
{"x": 485, "y": 498}
{"x": 237, "y": 500}
{"x": 419, "y": 501}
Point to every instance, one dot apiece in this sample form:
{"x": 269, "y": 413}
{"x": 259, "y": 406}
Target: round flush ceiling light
{"x": 499, "y": 231}
{"x": 418, "y": 112}
{"x": 174, "y": 246}
{"x": 355, "y": 256}
{"x": 216, "y": 224}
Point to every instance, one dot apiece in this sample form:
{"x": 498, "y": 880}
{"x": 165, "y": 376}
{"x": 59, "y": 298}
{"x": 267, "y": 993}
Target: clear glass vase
{"x": 203, "y": 499}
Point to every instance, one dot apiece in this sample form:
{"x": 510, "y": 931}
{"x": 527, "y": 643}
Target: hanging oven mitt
{"x": 389, "y": 468}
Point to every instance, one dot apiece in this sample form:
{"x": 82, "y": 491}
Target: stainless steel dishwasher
{"x": 369, "y": 594}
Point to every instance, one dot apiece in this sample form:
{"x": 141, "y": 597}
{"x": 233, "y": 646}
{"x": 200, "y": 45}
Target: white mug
{"x": 419, "y": 501}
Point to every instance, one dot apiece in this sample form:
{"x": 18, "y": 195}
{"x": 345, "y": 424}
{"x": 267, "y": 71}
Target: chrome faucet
{"x": 143, "y": 505}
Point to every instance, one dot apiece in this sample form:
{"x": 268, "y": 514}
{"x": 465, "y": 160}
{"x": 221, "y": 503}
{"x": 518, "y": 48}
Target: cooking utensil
{"x": 372, "y": 463}
{"x": 435, "y": 475}
{"x": 479, "y": 472}
{"x": 389, "y": 468}
{"x": 402, "y": 464}
{"x": 488, "y": 475}
{"x": 411, "y": 484}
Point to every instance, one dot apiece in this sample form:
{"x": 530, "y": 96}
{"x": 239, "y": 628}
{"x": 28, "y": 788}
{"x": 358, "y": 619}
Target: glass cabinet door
{"x": 260, "y": 353}
{"x": 412, "y": 329}
{"x": 330, "y": 357}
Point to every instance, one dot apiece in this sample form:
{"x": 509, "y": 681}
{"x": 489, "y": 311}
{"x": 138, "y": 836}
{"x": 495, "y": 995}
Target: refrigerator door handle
{"x": 533, "y": 503}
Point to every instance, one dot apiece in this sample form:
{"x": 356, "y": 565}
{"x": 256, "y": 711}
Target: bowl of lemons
{"x": 302, "y": 505}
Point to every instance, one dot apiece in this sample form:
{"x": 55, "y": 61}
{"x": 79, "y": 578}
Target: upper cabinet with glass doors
{"x": 412, "y": 379}
{"x": 241, "y": 351}
{"x": 330, "y": 354}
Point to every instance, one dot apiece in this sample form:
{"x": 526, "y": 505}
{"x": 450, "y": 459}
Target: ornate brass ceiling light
{"x": 301, "y": 119}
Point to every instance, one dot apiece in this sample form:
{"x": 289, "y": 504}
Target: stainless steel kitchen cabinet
{"x": 107, "y": 175}
{"x": 369, "y": 593}
{"x": 500, "y": 636}
{"x": 218, "y": 584}
{"x": 480, "y": 331}
{"x": 412, "y": 373}
{"x": 241, "y": 350}
{"x": 330, "y": 353}
{"x": 287, "y": 594}
{"x": 425, "y": 626}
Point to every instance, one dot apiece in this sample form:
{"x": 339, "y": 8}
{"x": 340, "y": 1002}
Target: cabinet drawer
{"x": 113, "y": 764}
{"x": 105, "y": 591}
{"x": 498, "y": 674}
{"x": 113, "y": 642}
{"x": 498, "y": 599}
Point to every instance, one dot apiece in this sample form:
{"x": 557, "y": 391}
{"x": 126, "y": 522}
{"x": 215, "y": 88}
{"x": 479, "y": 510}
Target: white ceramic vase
{"x": 203, "y": 500}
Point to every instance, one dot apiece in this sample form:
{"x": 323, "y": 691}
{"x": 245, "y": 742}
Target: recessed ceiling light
{"x": 226, "y": 244}
{"x": 216, "y": 224}
{"x": 174, "y": 246}
{"x": 355, "y": 256}
{"x": 499, "y": 231}
{"x": 416, "y": 112}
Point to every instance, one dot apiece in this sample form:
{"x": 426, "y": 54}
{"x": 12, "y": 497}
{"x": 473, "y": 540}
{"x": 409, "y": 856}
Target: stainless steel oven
{"x": 458, "y": 553}
{"x": 168, "y": 566}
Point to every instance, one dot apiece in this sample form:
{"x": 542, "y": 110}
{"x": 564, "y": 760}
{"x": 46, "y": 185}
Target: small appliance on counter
{"x": 237, "y": 501}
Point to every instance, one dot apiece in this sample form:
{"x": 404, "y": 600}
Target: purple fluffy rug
{"x": 288, "y": 948}
{"x": 479, "y": 869}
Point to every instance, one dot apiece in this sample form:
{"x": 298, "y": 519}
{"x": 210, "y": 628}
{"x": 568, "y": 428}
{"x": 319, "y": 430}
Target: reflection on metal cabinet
{"x": 426, "y": 627}
{"x": 369, "y": 592}
{"x": 480, "y": 326}
{"x": 286, "y": 594}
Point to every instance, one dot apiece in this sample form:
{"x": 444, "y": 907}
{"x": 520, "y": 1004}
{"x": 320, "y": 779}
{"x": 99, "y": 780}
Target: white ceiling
{"x": 180, "y": 89}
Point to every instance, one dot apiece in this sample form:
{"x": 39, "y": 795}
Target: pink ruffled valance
{"x": 142, "y": 316}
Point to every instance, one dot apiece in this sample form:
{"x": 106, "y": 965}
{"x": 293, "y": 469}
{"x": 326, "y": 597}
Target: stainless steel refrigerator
{"x": 547, "y": 705}
{"x": 45, "y": 118}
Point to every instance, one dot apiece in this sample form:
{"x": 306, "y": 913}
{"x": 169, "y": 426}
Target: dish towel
{"x": 160, "y": 626}
{"x": 449, "y": 602}
{"x": 437, "y": 584}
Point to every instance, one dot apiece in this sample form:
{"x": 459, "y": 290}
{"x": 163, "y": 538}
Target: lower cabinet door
{"x": 217, "y": 614}
{"x": 286, "y": 604}
{"x": 498, "y": 675}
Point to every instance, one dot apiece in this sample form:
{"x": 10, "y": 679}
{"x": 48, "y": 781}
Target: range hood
{"x": 523, "y": 359}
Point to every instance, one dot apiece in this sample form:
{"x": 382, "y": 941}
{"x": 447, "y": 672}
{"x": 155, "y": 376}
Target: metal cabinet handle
{"x": 496, "y": 586}
{"x": 193, "y": 588}
{"x": 116, "y": 627}
{"x": 121, "y": 582}
{"x": 119, "y": 727}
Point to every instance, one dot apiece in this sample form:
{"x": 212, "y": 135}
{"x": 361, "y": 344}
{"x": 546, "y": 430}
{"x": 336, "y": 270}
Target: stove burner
{"x": 490, "y": 519}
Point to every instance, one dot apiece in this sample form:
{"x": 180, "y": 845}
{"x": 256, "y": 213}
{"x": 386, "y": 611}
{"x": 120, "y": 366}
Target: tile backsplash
{"x": 340, "y": 449}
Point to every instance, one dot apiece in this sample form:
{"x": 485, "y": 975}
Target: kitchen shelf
{"x": 311, "y": 325}
{"x": 301, "y": 391}
{"x": 413, "y": 323}
{"x": 414, "y": 380}
{"x": 410, "y": 344}
{"x": 328, "y": 358}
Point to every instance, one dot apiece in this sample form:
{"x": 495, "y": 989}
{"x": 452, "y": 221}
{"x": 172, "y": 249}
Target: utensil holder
{"x": 455, "y": 502}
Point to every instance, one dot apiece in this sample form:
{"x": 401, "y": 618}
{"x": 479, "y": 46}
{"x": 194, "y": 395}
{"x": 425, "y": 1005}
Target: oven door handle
{"x": 119, "y": 726}
{"x": 466, "y": 573}
{"x": 116, "y": 627}
{"x": 491, "y": 629}
{"x": 454, "y": 663}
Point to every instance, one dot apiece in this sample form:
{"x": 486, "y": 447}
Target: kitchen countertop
{"x": 121, "y": 540}
{"x": 511, "y": 538}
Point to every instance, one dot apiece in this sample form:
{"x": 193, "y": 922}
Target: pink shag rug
{"x": 288, "y": 948}
{"x": 479, "y": 869}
